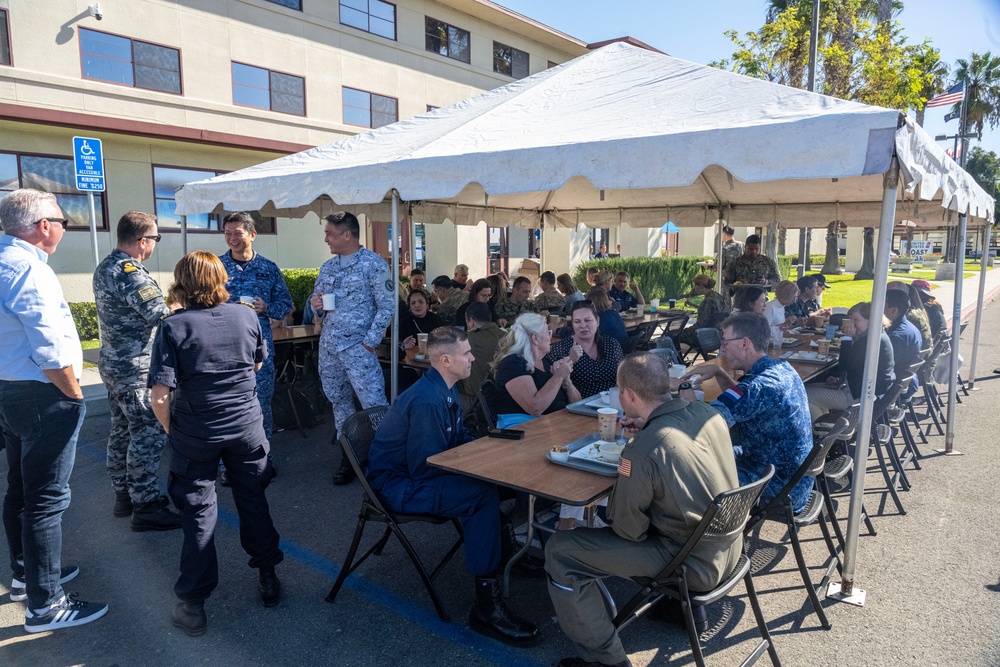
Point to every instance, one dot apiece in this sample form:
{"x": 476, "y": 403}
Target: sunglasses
{"x": 155, "y": 237}
{"x": 63, "y": 221}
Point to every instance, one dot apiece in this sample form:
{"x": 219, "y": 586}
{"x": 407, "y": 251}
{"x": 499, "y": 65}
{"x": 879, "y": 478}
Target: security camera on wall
{"x": 95, "y": 11}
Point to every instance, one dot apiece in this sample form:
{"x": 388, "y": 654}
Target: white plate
{"x": 591, "y": 453}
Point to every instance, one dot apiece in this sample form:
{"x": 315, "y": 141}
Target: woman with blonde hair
{"x": 526, "y": 386}
{"x": 206, "y": 355}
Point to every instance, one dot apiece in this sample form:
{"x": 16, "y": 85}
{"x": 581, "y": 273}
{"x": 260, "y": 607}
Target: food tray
{"x": 791, "y": 342}
{"x": 808, "y": 331}
{"x": 582, "y": 462}
{"x": 804, "y": 357}
{"x": 587, "y": 407}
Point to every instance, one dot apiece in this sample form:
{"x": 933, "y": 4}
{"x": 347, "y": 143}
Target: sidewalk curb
{"x": 988, "y": 298}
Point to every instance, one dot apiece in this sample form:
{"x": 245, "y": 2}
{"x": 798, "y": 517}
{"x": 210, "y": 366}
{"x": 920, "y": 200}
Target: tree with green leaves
{"x": 984, "y": 167}
{"x": 981, "y": 74}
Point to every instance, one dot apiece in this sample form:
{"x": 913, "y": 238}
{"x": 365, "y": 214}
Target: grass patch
{"x": 90, "y": 344}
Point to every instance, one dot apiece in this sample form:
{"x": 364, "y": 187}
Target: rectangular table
{"x": 522, "y": 465}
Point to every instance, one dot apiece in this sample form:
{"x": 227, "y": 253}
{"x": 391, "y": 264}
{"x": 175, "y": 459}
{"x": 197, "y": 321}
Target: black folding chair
{"x": 709, "y": 342}
{"x": 487, "y": 399}
{"x": 639, "y": 338}
{"x": 356, "y": 438}
{"x": 780, "y": 509}
{"x": 725, "y": 518}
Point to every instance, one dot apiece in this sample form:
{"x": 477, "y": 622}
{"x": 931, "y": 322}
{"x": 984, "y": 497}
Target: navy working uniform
{"x": 365, "y": 296}
{"x": 768, "y": 413}
{"x": 260, "y": 277}
{"x": 129, "y": 306}
{"x": 425, "y": 420}
{"x": 207, "y": 356}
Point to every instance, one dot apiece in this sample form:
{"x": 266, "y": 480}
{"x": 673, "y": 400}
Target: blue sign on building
{"x": 88, "y": 157}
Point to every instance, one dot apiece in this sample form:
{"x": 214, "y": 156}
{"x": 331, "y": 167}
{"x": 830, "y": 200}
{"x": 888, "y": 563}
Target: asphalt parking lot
{"x": 931, "y": 577}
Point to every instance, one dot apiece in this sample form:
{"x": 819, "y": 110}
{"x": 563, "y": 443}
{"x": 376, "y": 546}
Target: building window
{"x": 510, "y": 61}
{"x": 265, "y": 89}
{"x": 168, "y": 180}
{"x": 368, "y": 109}
{"x": 5, "y": 58}
{"x": 447, "y": 40}
{"x": 291, "y": 4}
{"x": 56, "y": 175}
{"x": 130, "y": 62}
{"x": 374, "y": 16}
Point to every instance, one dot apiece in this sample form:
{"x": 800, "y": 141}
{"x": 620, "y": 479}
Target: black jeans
{"x": 40, "y": 425}
{"x": 191, "y": 485}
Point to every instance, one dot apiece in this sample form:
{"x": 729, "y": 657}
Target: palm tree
{"x": 981, "y": 74}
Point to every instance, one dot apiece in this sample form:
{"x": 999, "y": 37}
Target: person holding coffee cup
{"x": 419, "y": 321}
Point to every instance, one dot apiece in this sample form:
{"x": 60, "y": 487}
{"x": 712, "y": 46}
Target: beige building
{"x": 183, "y": 91}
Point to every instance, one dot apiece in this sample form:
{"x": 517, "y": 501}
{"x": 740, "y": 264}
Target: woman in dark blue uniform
{"x": 207, "y": 354}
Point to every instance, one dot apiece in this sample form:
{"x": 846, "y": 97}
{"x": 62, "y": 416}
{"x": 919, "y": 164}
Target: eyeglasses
{"x": 156, "y": 237}
{"x": 723, "y": 341}
{"x": 63, "y": 221}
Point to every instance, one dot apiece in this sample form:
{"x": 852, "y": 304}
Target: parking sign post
{"x": 88, "y": 160}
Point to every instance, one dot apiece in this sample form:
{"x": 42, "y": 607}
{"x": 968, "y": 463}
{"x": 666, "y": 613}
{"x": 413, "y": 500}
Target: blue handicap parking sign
{"x": 88, "y": 158}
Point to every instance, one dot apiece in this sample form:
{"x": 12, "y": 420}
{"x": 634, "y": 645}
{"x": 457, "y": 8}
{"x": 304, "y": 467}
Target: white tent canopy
{"x": 619, "y": 135}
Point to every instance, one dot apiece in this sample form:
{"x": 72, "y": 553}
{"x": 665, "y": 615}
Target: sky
{"x": 694, "y": 31}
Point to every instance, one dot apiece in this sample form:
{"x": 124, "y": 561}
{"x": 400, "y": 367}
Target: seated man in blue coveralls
{"x": 425, "y": 420}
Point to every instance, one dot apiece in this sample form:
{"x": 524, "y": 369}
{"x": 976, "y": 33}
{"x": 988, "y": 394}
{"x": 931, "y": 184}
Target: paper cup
{"x": 672, "y": 303}
{"x": 654, "y": 304}
{"x": 422, "y": 344}
{"x": 607, "y": 419}
{"x": 823, "y": 347}
{"x": 699, "y": 395}
{"x": 329, "y": 302}
{"x": 677, "y": 370}
{"x": 248, "y": 300}
{"x": 831, "y": 331}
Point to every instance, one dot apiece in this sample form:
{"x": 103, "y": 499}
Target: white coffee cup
{"x": 677, "y": 371}
{"x": 329, "y": 302}
{"x": 248, "y": 300}
{"x": 654, "y": 304}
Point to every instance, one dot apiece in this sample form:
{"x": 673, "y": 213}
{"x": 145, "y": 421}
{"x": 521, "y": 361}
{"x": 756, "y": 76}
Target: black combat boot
{"x": 190, "y": 617}
{"x": 155, "y": 515}
{"x": 269, "y": 587}
{"x": 123, "y": 504}
{"x": 491, "y": 617}
{"x": 345, "y": 473}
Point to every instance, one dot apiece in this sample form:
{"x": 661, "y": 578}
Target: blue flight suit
{"x": 625, "y": 299}
{"x": 425, "y": 420}
{"x": 906, "y": 343}
{"x": 768, "y": 414}
{"x": 261, "y": 277}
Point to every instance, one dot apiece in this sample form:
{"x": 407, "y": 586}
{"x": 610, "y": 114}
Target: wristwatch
{"x": 683, "y": 385}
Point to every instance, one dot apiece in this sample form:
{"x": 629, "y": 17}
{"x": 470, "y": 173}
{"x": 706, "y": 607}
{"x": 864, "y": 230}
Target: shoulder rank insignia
{"x": 129, "y": 266}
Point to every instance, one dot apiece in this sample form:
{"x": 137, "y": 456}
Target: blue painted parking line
{"x": 489, "y": 649}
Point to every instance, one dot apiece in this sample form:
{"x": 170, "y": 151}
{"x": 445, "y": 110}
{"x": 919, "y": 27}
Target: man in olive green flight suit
{"x": 679, "y": 460}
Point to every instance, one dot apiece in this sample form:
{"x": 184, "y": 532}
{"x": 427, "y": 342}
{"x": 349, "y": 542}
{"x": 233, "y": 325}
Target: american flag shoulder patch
{"x": 625, "y": 468}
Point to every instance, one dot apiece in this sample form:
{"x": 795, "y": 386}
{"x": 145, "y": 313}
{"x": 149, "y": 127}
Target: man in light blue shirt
{"x": 41, "y": 410}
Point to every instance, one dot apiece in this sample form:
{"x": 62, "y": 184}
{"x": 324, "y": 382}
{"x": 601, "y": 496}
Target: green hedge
{"x": 301, "y": 283}
{"x": 661, "y": 277}
{"x": 85, "y": 318}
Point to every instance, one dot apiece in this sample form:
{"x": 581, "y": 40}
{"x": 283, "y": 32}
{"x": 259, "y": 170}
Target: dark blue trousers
{"x": 191, "y": 485}
{"x": 41, "y": 426}
{"x": 474, "y": 503}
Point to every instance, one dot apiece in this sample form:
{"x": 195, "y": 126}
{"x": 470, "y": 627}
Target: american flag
{"x": 951, "y": 96}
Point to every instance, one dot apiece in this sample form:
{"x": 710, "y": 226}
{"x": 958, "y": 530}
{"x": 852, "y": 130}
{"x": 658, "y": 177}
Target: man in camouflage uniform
{"x": 252, "y": 275}
{"x": 752, "y": 268}
{"x": 731, "y": 248}
{"x": 508, "y": 311}
{"x": 129, "y": 306}
{"x": 450, "y": 298}
{"x": 364, "y": 297}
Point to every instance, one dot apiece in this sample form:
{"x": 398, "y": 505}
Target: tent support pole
{"x": 845, "y": 590}
{"x": 718, "y": 257}
{"x": 394, "y": 353}
{"x": 956, "y": 332}
{"x": 184, "y": 234}
{"x": 984, "y": 261}
{"x": 802, "y": 251}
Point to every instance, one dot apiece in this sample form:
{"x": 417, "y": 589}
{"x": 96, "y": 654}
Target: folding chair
{"x": 780, "y": 509}
{"x": 487, "y": 399}
{"x": 725, "y": 518}
{"x": 709, "y": 342}
{"x": 638, "y": 339}
{"x": 356, "y": 438}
